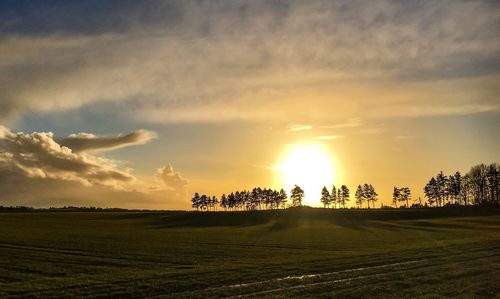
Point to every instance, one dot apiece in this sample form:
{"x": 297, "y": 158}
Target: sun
{"x": 310, "y": 167}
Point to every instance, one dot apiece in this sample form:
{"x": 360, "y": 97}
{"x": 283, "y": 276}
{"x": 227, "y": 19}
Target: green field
{"x": 287, "y": 253}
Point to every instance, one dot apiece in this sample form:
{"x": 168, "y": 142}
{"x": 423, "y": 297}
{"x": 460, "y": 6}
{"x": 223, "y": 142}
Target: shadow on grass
{"x": 209, "y": 219}
{"x": 276, "y": 219}
{"x": 293, "y": 217}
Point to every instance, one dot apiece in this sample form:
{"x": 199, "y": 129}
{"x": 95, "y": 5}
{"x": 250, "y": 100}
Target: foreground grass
{"x": 291, "y": 253}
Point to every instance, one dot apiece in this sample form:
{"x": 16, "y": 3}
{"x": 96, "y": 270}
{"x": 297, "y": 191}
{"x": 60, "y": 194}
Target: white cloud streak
{"x": 329, "y": 137}
{"x": 350, "y": 123}
{"x": 82, "y": 142}
{"x": 298, "y": 128}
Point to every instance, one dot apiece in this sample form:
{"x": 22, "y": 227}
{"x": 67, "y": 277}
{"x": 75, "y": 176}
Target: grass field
{"x": 288, "y": 253}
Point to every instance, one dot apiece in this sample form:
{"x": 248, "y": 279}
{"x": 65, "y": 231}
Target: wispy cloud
{"x": 383, "y": 40}
{"x": 350, "y": 123}
{"x": 422, "y": 110}
{"x": 298, "y": 128}
{"x": 322, "y": 60}
{"x": 374, "y": 129}
{"x": 404, "y": 137}
{"x": 82, "y": 142}
{"x": 329, "y": 137}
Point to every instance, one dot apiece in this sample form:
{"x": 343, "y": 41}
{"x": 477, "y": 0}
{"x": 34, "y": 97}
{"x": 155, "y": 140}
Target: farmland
{"x": 300, "y": 252}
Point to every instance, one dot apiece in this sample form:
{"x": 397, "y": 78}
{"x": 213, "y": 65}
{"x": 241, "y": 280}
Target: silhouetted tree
{"x": 406, "y": 195}
{"x": 296, "y": 196}
{"x": 340, "y": 196}
{"x": 255, "y": 198}
{"x": 465, "y": 189}
{"x": 370, "y": 194}
{"x": 334, "y": 198}
{"x": 325, "y": 197}
{"x": 455, "y": 182}
{"x": 283, "y": 198}
{"x": 360, "y": 196}
{"x": 223, "y": 202}
{"x": 214, "y": 202}
{"x": 231, "y": 199}
{"x": 203, "y": 202}
{"x": 249, "y": 200}
{"x": 441, "y": 184}
{"x": 479, "y": 181}
{"x": 479, "y": 186}
{"x": 431, "y": 191}
{"x": 396, "y": 194}
{"x": 493, "y": 178}
{"x": 195, "y": 201}
{"x": 345, "y": 195}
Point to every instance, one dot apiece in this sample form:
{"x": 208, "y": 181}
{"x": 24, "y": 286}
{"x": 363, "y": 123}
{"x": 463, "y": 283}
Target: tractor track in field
{"x": 304, "y": 280}
{"x": 304, "y": 285}
{"x": 292, "y": 278}
{"x": 89, "y": 254}
{"x": 289, "y": 282}
{"x": 312, "y": 284}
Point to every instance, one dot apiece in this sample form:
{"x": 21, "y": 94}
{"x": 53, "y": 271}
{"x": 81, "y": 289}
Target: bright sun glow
{"x": 310, "y": 167}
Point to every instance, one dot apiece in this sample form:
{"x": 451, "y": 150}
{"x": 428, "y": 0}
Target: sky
{"x": 140, "y": 104}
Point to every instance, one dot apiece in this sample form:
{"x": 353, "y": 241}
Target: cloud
{"x": 376, "y": 129}
{"x": 329, "y": 137}
{"x": 298, "y": 128}
{"x": 186, "y": 61}
{"x": 404, "y": 137}
{"x": 172, "y": 179}
{"x": 421, "y": 110}
{"x": 82, "y": 142}
{"x": 350, "y": 123}
{"x": 176, "y": 185}
{"x": 39, "y": 155}
{"x": 36, "y": 170}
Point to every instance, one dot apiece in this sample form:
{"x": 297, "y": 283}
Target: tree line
{"x": 338, "y": 197}
{"x": 256, "y": 199}
{"x": 479, "y": 186}
{"x": 263, "y": 198}
{"x": 366, "y": 193}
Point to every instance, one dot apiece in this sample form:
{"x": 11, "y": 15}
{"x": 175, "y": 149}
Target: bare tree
{"x": 479, "y": 182}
